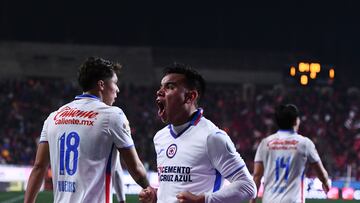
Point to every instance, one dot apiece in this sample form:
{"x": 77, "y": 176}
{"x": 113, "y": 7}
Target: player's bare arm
{"x": 134, "y": 166}
{"x": 258, "y": 173}
{"x": 38, "y": 172}
{"x": 322, "y": 175}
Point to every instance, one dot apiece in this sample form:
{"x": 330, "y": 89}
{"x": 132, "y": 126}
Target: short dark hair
{"x": 193, "y": 79}
{"x": 286, "y": 115}
{"x": 94, "y": 69}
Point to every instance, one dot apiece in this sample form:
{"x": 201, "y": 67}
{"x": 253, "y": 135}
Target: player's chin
{"x": 164, "y": 118}
{"x": 109, "y": 103}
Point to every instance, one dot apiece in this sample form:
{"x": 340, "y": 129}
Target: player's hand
{"x": 148, "y": 195}
{"x": 326, "y": 188}
{"x": 252, "y": 201}
{"x": 188, "y": 197}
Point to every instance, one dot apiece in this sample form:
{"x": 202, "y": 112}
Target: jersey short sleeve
{"x": 44, "y": 131}
{"x": 259, "y": 152}
{"x": 312, "y": 153}
{"x": 120, "y": 130}
{"x": 223, "y": 154}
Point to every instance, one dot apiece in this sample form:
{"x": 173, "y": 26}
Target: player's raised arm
{"x": 38, "y": 172}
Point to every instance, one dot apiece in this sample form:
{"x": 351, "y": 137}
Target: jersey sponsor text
{"x": 174, "y": 174}
{"x": 74, "y": 116}
{"x": 281, "y": 144}
{"x": 68, "y": 112}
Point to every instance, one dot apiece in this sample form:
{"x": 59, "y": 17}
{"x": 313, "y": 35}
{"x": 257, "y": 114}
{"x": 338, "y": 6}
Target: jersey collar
{"x": 194, "y": 121}
{"x": 287, "y": 131}
{"x": 87, "y": 96}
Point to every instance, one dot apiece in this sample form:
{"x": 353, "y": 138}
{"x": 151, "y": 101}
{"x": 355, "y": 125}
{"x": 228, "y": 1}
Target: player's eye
{"x": 170, "y": 86}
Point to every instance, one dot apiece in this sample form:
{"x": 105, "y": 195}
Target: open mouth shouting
{"x": 161, "y": 108}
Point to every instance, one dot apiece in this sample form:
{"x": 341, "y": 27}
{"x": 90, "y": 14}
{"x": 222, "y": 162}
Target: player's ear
{"x": 191, "y": 96}
{"x": 297, "y": 124}
{"x": 100, "y": 84}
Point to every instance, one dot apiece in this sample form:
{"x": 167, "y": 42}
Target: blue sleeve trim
{"x": 43, "y": 142}
{"x": 221, "y": 133}
{"x": 235, "y": 171}
{"x": 314, "y": 162}
{"x": 127, "y": 147}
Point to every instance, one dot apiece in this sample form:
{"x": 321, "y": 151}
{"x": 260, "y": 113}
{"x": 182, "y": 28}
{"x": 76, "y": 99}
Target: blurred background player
{"x": 281, "y": 158}
{"x": 81, "y": 141}
{"x": 193, "y": 155}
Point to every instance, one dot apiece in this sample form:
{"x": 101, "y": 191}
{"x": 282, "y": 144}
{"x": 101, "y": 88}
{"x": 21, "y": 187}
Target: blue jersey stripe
{"x": 217, "y": 182}
{"x": 303, "y": 175}
{"x": 108, "y": 165}
{"x": 238, "y": 169}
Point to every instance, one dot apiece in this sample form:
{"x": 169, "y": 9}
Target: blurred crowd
{"x": 330, "y": 117}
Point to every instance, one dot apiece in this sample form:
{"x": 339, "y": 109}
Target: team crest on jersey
{"x": 171, "y": 151}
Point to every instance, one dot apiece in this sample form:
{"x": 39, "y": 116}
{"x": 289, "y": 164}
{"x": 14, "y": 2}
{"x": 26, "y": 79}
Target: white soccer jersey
{"x": 83, "y": 138}
{"x": 118, "y": 182}
{"x": 185, "y": 163}
{"x": 284, "y": 156}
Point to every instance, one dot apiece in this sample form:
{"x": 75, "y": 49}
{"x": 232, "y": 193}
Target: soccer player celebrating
{"x": 81, "y": 141}
{"x": 282, "y": 157}
{"x": 193, "y": 155}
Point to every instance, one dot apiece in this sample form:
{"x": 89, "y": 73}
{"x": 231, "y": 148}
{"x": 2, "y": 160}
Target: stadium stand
{"x": 330, "y": 117}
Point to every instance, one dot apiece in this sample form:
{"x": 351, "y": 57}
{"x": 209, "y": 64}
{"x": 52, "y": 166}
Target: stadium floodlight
{"x": 312, "y": 75}
{"x": 304, "y": 67}
{"x": 331, "y": 73}
{"x": 304, "y": 80}
{"x": 292, "y": 71}
{"x": 315, "y": 67}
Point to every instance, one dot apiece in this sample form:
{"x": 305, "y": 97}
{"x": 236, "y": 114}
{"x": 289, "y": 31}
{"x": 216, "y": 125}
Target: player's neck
{"x": 179, "y": 128}
{"x": 186, "y": 117}
{"x": 95, "y": 93}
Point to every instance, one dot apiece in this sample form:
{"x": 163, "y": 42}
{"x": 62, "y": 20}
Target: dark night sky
{"x": 327, "y": 29}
